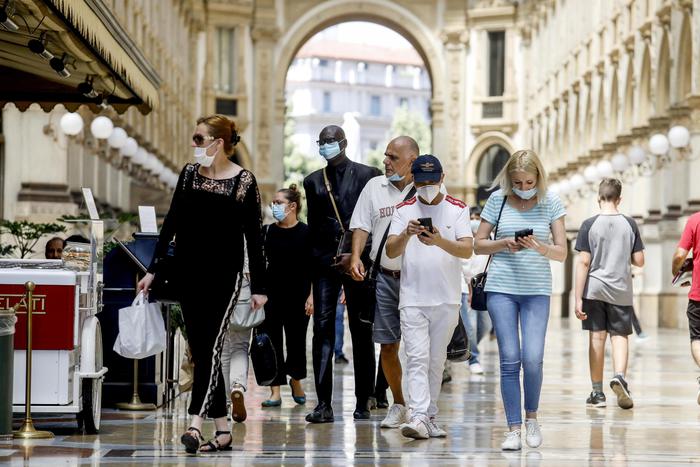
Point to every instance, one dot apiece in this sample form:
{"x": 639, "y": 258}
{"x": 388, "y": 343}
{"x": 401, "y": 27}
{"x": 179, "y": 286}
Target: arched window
{"x": 490, "y": 164}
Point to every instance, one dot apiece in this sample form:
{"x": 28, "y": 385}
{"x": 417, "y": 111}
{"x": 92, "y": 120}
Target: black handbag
{"x": 341, "y": 260}
{"x": 264, "y": 358}
{"x": 479, "y": 281}
{"x": 458, "y": 348}
{"x": 370, "y": 283}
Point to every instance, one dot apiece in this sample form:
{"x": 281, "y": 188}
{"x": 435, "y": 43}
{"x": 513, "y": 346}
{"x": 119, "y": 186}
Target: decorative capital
{"x": 265, "y": 32}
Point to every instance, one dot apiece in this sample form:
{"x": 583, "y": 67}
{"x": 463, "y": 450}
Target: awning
{"x": 97, "y": 50}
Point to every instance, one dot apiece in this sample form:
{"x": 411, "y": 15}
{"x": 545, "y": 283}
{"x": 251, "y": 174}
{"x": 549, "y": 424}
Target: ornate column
{"x": 267, "y": 130}
{"x": 449, "y": 146}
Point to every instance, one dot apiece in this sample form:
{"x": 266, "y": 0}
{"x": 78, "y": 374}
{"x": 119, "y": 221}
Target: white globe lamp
{"x": 659, "y": 145}
{"x": 679, "y": 137}
{"x": 620, "y": 162}
{"x": 577, "y": 181}
{"x": 130, "y": 147}
{"x": 140, "y": 157}
{"x": 118, "y": 138}
{"x": 605, "y": 169}
{"x": 71, "y": 123}
{"x": 591, "y": 174}
{"x": 637, "y": 155}
{"x": 101, "y": 127}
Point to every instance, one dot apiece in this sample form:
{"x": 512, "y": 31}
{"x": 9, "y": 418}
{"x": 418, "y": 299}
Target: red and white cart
{"x": 66, "y": 338}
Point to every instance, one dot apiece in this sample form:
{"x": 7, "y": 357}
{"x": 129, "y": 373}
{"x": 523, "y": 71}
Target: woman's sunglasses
{"x": 200, "y": 139}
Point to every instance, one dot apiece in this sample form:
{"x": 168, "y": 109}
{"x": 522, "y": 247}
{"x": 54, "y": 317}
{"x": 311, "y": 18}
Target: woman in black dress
{"x": 216, "y": 203}
{"x": 288, "y": 249}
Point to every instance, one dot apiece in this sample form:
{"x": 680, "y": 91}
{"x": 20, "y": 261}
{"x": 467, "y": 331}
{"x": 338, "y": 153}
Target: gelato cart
{"x": 66, "y": 340}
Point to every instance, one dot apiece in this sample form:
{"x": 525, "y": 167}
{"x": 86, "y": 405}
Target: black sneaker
{"x": 340, "y": 359}
{"x": 596, "y": 399}
{"x": 619, "y": 387}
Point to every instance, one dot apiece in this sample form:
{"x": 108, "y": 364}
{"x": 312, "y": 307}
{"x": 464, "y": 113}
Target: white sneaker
{"x": 533, "y": 435}
{"x": 397, "y": 416}
{"x": 476, "y": 368}
{"x": 512, "y": 441}
{"x": 435, "y": 430}
{"x": 417, "y": 428}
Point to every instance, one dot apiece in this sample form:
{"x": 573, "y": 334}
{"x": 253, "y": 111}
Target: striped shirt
{"x": 525, "y": 272}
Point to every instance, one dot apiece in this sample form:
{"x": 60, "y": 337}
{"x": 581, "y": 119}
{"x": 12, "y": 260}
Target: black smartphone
{"x": 426, "y": 222}
{"x": 522, "y": 233}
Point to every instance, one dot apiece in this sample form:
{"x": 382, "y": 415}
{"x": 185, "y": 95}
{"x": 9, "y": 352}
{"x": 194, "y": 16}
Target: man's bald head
{"x": 406, "y": 143}
{"x": 333, "y": 132}
{"x": 399, "y": 155}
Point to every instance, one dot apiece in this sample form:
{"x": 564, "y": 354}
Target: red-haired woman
{"x": 216, "y": 204}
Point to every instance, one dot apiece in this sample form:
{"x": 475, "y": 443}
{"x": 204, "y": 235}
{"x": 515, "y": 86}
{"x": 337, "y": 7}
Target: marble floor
{"x": 663, "y": 428}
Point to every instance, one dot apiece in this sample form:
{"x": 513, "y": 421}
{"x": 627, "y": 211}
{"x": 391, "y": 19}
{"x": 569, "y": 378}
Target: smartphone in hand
{"x": 426, "y": 222}
{"x": 523, "y": 233}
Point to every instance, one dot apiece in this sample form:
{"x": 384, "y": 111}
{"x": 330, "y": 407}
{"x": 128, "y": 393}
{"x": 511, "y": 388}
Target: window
{"x": 375, "y": 106}
{"x": 323, "y": 63}
{"x": 326, "y": 102}
{"x": 225, "y": 59}
{"x": 490, "y": 164}
{"x": 403, "y": 102}
{"x": 497, "y": 52}
{"x": 373, "y": 144}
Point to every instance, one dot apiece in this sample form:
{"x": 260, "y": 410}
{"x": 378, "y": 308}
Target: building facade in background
{"x": 358, "y": 86}
{"x": 584, "y": 83}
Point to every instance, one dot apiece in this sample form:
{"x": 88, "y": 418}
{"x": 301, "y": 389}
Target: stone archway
{"x": 482, "y": 143}
{"x": 394, "y": 16}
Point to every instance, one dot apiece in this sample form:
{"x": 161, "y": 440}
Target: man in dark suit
{"x": 346, "y": 179}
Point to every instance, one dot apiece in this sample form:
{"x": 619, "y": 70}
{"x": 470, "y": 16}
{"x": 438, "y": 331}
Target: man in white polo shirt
{"x": 432, "y": 232}
{"x": 372, "y": 215}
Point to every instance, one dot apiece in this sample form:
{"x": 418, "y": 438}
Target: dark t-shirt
{"x": 288, "y": 256}
{"x": 611, "y": 240}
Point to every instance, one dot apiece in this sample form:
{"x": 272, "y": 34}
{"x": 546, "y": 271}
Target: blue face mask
{"x": 278, "y": 212}
{"x": 396, "y": 178}
{"x": 527, "y": 194}
{"x": 329, "y": 150}
{"x": 474, "y": 223}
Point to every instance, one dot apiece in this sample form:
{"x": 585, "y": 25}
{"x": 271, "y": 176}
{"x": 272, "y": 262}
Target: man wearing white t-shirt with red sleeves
{"x": 432, "y": 232}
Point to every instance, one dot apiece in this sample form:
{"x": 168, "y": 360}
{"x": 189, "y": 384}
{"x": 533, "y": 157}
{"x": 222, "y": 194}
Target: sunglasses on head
{"x": 200, "y": 139}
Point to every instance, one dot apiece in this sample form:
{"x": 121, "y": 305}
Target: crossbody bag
{"x": 479, "y": 281}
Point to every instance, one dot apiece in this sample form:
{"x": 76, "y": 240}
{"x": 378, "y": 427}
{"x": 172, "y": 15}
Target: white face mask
{"x": 428, "y": 192}
{"x": 201, "y": 157}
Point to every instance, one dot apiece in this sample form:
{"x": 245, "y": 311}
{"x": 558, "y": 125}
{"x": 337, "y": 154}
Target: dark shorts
{"x": 387, "y": 323}
{"x": 603, "y": 316}
{"x": 694, "y": 320}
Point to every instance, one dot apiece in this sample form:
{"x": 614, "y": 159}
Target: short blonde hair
{"x": 525, "y": 160}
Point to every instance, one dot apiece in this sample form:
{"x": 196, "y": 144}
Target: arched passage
{"x": 381, "y": 12}
{"x": 477, "y": 172}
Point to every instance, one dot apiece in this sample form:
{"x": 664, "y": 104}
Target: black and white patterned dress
{"x": 209, "y": 219}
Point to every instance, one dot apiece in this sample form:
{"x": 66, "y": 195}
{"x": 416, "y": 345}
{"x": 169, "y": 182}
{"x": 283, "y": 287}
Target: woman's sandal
{"x": 213, "y": 444}
{"x": 191, "y": 442}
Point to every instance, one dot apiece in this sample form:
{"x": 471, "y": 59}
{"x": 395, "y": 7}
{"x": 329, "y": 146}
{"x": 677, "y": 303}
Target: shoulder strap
{"x": 329, "y": 189}
{"x": 377, "y": 260}
{"x": 498, "y": 221}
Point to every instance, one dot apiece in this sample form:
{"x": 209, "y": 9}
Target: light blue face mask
{"x": 396, "y": 177}
{"x": 527, "y": 194}
{"x": 278, "y": 212}
{"x": 329, "y": 150}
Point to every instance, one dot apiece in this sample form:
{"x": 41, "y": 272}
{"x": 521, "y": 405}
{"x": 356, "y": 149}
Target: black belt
{"x": 390, "y": 272}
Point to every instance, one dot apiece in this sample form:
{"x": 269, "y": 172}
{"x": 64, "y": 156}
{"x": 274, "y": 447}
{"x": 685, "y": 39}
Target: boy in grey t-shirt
{"x": 608, "y": 245}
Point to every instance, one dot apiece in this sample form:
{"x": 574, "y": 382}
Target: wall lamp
{"x": 5, "y": 12}
{"x": 59, "y": 65}
{"x": 38, "y": 46}
{"x": 86, "y": 89}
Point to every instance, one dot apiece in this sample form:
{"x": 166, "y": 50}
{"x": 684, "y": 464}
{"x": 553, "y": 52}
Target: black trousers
{"x": 288, "y": 316}
{"x": 326, "y": 289}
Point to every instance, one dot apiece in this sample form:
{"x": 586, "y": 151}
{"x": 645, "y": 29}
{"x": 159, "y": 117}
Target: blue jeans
{"x": 339, "y": 328}
{"x": 532, "y": 313}
{"x": 477, "y": 324}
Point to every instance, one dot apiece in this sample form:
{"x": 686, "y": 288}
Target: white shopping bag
{"x": 141, "y": 330}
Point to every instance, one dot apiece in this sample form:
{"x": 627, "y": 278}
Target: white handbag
{"x": 243, "y": 316}
{"x": 141, "y": 329}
